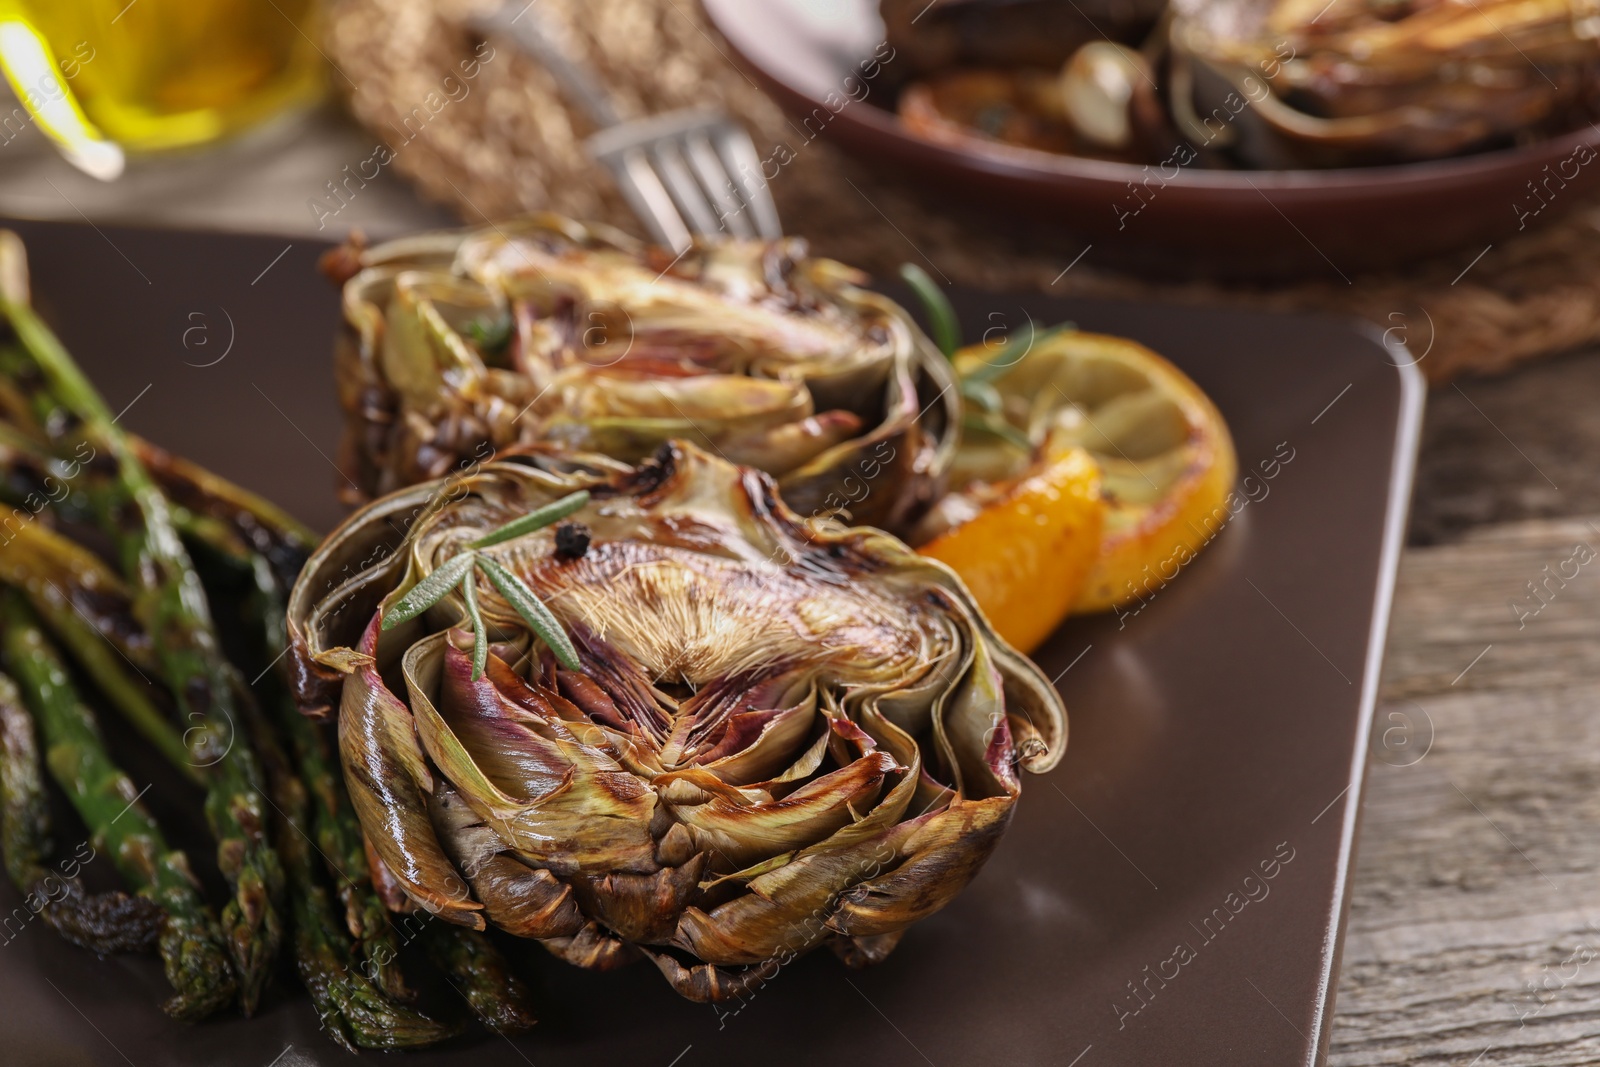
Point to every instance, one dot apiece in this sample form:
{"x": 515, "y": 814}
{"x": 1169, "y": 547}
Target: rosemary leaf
{"x": 428, "y": 592}
{"x": 942, "y": 324}
{"x": 533, "y": 611}
{"x": 480, "y": 635}
{"x": 537, "y": 519}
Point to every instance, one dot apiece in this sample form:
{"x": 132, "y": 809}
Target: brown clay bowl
{"x": 1172, "y": 219}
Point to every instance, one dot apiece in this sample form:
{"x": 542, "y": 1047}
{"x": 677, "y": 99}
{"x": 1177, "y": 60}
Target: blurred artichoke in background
{"x": 706, "y": 730}
{"x": 1373, "y": 81}
{"x": 548, "y": 334}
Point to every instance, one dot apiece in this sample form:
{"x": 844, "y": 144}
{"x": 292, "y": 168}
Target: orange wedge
{"x": 1165, "y": 457}
{"x": 1026, "y": 547}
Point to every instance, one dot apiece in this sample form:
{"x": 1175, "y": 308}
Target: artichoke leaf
{"x": 389, "y": 781}
{"x": 469, "y": 841}
{"x": 946, "y": 765}
{"x": 1037, "y": 724}
{"x": 859, "y": 952}
{"x": 595, "y": 816}
{"x": 495, "y": 734}
{"x": 522, "y": 900}
{"x": 757, "y": 744}
{"x": 342, "y": 585}
{"x": 783, "y": 448}
{"x": 880, "y": 819}
{"x": 742, "y": 833}
{"x": 526, "y": 901}
{"x": 721, "y": 402}
{"x": 592, "y": 949}
{"x": 802, "y": 768}
{"x": 641, "y": 908}
{"x": 621, "y": 744}
{"x": 708, "y": 984}
{"x": 972, "y": 731}
{"x": 422, "y": 350}
{"x": 942, "y": 856}
{"x": 555, "y": 717}
{"x": 910, "y": 705}
{"x": 787, "y": 914}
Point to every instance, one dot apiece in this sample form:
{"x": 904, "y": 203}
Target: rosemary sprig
{"x": 985, "y": 405}
{"x": 533, "y": 611}
{"x": 461, "y": 572}
{"x": 942, "y": 324}
{"x": 537, "y": 519}
{"x": 945, "y": 330}
{"x": 480, "y": 644}
{"x": 430, "y": 590}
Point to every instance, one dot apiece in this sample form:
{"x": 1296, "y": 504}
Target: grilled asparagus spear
{"x": 338, "y": 837}
{"x": 104, "y": 922}
{"x": 480, "y": 973}
{"x": 470, "y": 960}
{"x": 87, "y": 608}
{"x": 170, "y": 604}
{"x": 269, "y": 548}
{"x": 191, "y": 946}
{"x": 352, "y": 1009}
{"x": 267, "y": 529}
{"x": 333, "y": 820}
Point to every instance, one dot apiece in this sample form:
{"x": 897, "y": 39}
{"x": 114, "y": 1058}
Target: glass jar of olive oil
{"x": 160, "y": 74}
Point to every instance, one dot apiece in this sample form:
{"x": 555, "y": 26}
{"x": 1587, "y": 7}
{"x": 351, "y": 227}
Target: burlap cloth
{"x": 503, "y": 142}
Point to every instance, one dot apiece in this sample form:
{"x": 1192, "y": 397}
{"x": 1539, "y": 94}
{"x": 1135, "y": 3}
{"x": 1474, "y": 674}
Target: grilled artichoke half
{"x": 784, "y": 732}
{"x": 1371, "y": 81}
{"x": 550, "y": 334}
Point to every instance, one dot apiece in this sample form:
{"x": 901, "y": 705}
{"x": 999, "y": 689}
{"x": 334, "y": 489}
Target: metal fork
{"x": 686, "y": 172}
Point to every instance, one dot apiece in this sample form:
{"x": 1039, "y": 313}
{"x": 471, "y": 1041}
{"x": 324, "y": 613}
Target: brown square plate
{"x": 1173, "y": 893}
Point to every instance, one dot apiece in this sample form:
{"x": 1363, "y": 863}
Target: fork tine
{"x": 647, "y": 157}
{"x": 714, "y": 176}
{"x": 692, "y": 204}
{"x": 738, "y": 154}
{"x": 641, "y": 187}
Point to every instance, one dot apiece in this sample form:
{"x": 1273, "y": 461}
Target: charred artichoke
{"x": 1371, "y": 81}
{"x": 555, "y": 335}
{"x": 773, "y": 733}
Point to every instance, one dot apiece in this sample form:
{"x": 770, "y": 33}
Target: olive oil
{"x": 159, "y": 74}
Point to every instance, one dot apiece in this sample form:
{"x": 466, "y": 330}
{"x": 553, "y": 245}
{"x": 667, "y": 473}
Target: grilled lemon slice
{"x": 1165, "y": 458}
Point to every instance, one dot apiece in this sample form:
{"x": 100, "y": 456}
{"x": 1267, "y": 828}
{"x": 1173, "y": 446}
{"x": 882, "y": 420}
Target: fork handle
{"x": 528, "y": 32}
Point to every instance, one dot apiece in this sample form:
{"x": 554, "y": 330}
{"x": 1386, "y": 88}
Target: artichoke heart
{"x": 547, "y": 334}
{"x": 782, "y": 732}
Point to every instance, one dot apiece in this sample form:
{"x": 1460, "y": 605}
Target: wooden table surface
{"x": 1474, "y": 932}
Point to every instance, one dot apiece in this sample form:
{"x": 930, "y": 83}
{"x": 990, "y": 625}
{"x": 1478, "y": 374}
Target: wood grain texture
{"x": 1518, "y": 447}
{"x": 1474, "y": 933}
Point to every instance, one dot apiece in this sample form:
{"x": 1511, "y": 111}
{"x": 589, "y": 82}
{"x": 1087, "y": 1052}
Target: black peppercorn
{"x": 572, "y": 540}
